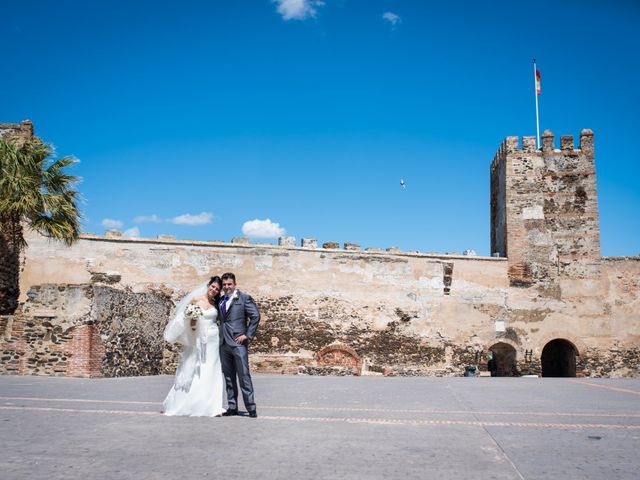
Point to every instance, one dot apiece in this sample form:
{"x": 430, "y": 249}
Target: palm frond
{"x": 55, "y": 179}
{"x": 36, "y": 188}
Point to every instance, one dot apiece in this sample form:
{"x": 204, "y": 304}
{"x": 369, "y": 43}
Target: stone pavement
{"x": 325, "y": 427}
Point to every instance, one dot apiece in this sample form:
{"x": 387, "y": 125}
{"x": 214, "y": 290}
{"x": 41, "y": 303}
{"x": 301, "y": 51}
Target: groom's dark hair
{"x": 227, "y": 276}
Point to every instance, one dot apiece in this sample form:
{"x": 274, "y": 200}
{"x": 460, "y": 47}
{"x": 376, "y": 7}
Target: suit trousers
{"x": 235, "y": 362}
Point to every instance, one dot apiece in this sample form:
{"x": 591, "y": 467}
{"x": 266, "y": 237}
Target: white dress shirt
{"x": 226, "y": 305}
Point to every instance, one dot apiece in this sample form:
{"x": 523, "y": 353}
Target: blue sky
{"x": 194, "y": 118}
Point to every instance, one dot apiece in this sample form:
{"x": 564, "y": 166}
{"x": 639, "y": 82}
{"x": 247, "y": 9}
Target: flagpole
{"x": 535, "y": 92}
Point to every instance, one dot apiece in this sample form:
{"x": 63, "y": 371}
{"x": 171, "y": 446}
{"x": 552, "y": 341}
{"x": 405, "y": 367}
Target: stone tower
{"x": 544, "y": 210}
{"x": 23, "y": 130}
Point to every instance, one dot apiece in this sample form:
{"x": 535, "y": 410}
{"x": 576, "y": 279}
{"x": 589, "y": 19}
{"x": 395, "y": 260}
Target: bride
{"x": 198, "y": 387}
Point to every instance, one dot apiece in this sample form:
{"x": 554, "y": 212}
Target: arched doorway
{"x": 504, "y": 360}
{"x": 559, "y": 359}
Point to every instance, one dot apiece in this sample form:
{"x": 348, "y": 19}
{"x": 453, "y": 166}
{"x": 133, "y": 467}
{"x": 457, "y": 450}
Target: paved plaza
{"x": 325, "y": 427}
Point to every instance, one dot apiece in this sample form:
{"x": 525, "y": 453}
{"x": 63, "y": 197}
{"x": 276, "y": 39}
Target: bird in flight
{"x": 402, "y": 184}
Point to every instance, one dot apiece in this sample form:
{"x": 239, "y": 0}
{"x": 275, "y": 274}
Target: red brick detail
{"x": 13, "y": 345}
{"x": 85, "y": 351}
{"x": 520, "y": 273}
{"x": 338, "y": 355}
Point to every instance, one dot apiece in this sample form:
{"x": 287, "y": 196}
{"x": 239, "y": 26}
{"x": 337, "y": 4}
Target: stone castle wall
{"x": 546, "y": 300}
{"x": 324, "y": 310}
{"x": 381, "y": 305}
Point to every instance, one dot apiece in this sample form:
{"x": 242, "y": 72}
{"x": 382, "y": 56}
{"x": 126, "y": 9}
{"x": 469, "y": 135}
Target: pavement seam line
{"x": 484, "y": 427}
{"x": 606, "y": 387}
{"x": 371, "y": 421}
{"x": 79, "y": 400}
{"x": 354, "y": 409}
{"x": 453, "y": 422}
{"x": 79, "y": 410}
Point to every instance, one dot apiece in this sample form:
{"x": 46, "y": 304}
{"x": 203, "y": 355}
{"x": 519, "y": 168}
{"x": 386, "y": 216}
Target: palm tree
{"x": 35, "y": 192}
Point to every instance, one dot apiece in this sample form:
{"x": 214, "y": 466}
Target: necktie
{"x": 223, "y": 306}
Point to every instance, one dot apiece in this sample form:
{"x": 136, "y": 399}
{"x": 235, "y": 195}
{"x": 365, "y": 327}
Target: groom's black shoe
{"x": 253, "y": 414}
{"x": 230, "y": 413}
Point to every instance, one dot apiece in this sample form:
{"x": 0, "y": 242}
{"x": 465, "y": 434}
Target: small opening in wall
{"x": 447, "y": 275}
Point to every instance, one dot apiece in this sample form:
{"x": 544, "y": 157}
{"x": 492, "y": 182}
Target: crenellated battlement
{"x": 511, "y": 145}
{"x": 500, "y": 156}
{"x": 585, "y": 144}
{"x": 284, "y": 243}
{"x": 23, "y": 129}
{"x": 527, "y": 144}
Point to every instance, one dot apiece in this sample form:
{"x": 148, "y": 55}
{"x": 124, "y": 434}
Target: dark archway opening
{"x": 503, "y": 362}
{"x": 559, "y": 359}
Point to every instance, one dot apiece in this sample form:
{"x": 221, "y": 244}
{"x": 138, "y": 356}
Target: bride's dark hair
{"x": 217, "y": 280}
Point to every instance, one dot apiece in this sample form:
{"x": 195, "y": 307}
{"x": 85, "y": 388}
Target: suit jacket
{"x": 241, "y": 318}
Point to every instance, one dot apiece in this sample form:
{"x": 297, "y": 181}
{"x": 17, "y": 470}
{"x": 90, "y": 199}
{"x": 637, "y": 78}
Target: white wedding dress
{"x": 198, "y": 387}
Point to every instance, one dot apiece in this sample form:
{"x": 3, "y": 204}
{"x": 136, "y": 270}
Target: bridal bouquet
{"x": 192, "y": 313}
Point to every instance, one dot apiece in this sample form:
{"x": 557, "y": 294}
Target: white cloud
{"x": 297, "y": 9}
{"x": 131, "y": 232}
{"x": 110, "y": 223}
{"x": 262, "y": 229}
{"x": 188, "y": 219}
{"x": 392, "y": 18}
{"x": 147, "y": 219}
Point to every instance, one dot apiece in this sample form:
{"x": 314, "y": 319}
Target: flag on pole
{"x": 536, "y": 74}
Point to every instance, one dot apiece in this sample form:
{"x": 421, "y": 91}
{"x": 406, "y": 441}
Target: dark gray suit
{"x": 241, "y": 318}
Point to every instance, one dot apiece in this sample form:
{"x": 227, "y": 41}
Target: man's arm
{"x": 252, "y": 313}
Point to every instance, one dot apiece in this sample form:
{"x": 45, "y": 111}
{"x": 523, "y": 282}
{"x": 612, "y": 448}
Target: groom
{"x": 239, "y": 318}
